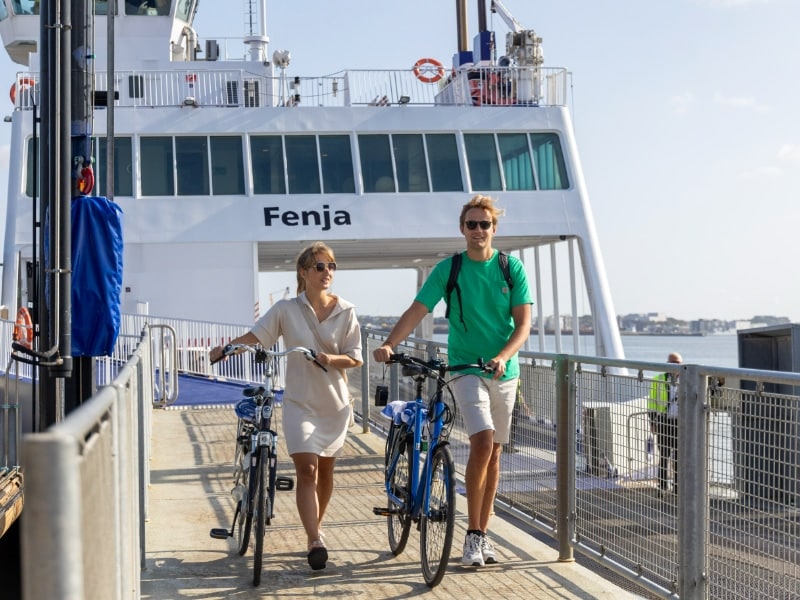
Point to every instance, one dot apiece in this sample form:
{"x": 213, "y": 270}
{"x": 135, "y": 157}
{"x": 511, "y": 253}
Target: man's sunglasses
{"x": 471, "y": 225}
{"x": 321, "y": 266}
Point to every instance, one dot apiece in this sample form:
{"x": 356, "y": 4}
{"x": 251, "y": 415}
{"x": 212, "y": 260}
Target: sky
{"x": 686, "y": 118}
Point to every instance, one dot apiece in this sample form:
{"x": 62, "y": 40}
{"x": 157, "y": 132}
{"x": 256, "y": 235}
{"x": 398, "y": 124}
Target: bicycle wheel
{"x": 436, "y": 527}
{"x": 244, "y": 521}
{"x": 399, "y": 521}
{"x": 262, "y": 510}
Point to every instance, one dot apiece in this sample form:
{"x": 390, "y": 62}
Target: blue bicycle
{"x": 420, "y": 474}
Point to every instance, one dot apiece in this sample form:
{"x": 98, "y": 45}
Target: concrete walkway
{"x": 190, "y": 494}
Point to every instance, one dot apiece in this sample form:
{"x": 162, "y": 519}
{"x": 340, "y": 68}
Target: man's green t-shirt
{"x": 486, "y": 302}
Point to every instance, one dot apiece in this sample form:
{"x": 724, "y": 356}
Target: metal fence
{"x": 583, "y": 467}
{"x": 205, "y": 86}
{"x": 86, "y": 482}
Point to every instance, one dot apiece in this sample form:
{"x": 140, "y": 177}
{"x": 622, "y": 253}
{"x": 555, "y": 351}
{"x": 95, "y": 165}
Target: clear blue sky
{"x": 687, "y": 120}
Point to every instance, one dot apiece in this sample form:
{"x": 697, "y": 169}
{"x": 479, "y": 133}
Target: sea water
{"x": 719, "y": 350}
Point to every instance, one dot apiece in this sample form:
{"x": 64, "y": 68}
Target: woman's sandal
{"x": 317, "y": 555}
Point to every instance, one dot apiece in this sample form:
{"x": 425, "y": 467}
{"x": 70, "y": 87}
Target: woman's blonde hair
{"x": 308, "y": 258}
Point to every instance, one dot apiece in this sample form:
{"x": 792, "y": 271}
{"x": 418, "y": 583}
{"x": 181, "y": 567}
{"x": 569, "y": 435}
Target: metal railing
{"x": 86, "y": 481}
{"x": 582, "y": 466}
{"x": 202, "y": 86}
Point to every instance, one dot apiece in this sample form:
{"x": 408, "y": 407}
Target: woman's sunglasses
{"x": 471, "y": 225}
{"x": 321, "y": 266}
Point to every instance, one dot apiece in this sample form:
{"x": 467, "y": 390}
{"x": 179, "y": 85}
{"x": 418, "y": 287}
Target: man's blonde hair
{"x": 480, "y": 201}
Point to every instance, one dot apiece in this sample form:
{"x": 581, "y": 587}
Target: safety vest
{"x": 659, "y": 393}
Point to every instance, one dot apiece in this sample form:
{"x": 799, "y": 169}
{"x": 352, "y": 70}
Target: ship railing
{"x": 582, "y": 466}
{"x": 190, "y": 88}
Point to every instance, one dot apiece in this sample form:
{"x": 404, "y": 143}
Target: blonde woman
{"x": 316, "y": 404}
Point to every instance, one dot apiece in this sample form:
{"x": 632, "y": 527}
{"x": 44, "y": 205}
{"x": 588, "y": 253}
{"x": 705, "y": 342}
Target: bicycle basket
{"x": 246, "y": 410}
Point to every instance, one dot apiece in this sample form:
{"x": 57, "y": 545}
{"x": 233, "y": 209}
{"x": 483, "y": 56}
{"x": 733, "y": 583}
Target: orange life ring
{"x": 85, "y": 181}
{"x": 426, "y": 65}
{"x": 22, "y": 84}
{"x": 23, "y": 328}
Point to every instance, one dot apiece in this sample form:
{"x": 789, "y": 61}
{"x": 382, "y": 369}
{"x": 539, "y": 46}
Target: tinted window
{"x": 409, "y": 160}
{"x": 123, "y": 167}
{"x": 337, "y": 164}
{"x": 376, "y": 163}
{"x": 302, "y": 164}
{"x": 191, "y": 154}
{"x": 156, "y": 165}
{"x": 516, "y": 158}
{"x": 484, "y": 171}
{"x": 549, "y": 161}
{"x": 266, "y": 155}
{"x": 443, "y": 160}
{"x": 227, "y": 165}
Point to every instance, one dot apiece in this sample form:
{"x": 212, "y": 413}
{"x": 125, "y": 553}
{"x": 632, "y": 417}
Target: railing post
{"x": 365, "y": 368}
{"x": 565, "y": 455}
{"x": 692, "y": 465}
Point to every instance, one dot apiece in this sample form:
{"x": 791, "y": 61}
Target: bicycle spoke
{"x": 399, "y": 522}
{"x": 436, "y": 531}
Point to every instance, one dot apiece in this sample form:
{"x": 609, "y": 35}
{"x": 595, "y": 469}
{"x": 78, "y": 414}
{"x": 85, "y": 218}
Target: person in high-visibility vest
{"x": 662, "y": 407}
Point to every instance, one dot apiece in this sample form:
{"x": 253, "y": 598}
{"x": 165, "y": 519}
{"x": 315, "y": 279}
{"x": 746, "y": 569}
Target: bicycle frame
{"x": 419, "y": 475}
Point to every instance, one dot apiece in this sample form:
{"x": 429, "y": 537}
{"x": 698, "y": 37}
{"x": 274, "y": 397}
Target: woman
{"x": 316, "y": 404}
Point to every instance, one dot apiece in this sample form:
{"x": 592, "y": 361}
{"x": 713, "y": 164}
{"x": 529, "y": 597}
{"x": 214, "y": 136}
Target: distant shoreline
{"x": 442, "y": 330}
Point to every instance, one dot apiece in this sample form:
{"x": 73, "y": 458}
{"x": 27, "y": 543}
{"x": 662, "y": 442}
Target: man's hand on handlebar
{"x": 497, "y": 366}
{"x": 383, "y": 353}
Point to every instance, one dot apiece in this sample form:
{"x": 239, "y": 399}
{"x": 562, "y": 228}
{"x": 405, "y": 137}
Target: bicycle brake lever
{"x": 313, "y": 358}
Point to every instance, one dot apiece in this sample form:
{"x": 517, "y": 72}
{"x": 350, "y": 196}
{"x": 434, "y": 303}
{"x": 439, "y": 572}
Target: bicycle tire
{"x": 398, "y": 522}
{"x": 244, "y": 522}
{"x": 261, "y": 512}
{"x": 438, "y": 522}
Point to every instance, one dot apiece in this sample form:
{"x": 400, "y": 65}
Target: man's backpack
{"x": 452, "y": 283}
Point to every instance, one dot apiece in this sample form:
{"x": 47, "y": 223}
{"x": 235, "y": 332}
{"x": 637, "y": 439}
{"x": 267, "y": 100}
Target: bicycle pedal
{"x": 220, "y": 534}
{"x": 283, "y": 483}
{"x": 384, "y": 512}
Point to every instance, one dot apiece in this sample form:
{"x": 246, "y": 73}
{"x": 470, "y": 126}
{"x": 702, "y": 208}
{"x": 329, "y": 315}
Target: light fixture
{"x": 7, "y": 119}
{"x": 190, "y": 101}
{"x": 404, "y": 100}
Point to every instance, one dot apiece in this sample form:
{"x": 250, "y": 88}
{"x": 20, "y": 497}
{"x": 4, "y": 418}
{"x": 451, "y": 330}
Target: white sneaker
{"x": 487, "y": 551}
{"x": 472, "y": 557}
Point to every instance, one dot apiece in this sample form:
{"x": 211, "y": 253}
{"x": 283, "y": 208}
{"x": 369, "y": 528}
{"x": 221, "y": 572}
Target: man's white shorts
{"x": 486, "y": 404}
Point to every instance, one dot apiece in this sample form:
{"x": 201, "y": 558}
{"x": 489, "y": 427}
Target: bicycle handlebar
{"x": 435, "y": 368}
{"x": 263, "y": 355}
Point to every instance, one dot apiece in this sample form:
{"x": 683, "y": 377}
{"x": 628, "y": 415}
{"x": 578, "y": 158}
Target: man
{"x": 662, "y": 409}
{"x": 491, "y": 321}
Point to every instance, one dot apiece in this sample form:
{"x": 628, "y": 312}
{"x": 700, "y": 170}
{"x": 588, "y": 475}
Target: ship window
{"x": 409, "y": 158}
{"x": 25, "y": 7}
{"x": 266, "y": 155}
{"x": 549, "y": 161}
{"x": 156, "y": 166}
{"x": 3, "y": 12}
{"x": 302, "y": 164}
{"x": 100, "y": 7}
{"x": 516, "y": 158}
{"x": 227, "y": 165}
{"x": 337, "y": 164}
{"x": 123, "y": 161}
{"x": 376, "y": 163}
{"x": 443, "y": 161}
{"x": 149, "y": 8}
{"x": 184, "y": 10}
{"x": 191, "y": 159}
{"x": 31, "y": 170}
{"x": 484, "y": 171}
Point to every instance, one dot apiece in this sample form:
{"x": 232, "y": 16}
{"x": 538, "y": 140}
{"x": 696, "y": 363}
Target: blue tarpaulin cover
{"x": 96, "y": 275}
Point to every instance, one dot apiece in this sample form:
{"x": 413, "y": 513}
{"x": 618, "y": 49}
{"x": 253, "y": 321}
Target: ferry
{"x": 225, "y": 160}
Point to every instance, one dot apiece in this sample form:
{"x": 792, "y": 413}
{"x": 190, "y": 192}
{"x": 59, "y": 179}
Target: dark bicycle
{"x": 255, "y": 477}
{"x": 420, "y": 476}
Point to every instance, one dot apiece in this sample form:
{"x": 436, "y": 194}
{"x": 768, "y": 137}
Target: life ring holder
{"x": 23, "y": 328}
{"x": 22, "y": 84}
{"x": 426, "y": 65}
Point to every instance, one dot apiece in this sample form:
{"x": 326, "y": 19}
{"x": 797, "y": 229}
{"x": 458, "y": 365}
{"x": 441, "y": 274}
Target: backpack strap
{"x": 502, "y": 260}
{"x": 452, "y": 283}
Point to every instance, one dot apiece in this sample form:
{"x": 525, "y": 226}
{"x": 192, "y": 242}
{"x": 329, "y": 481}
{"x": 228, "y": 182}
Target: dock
{"x": 191, "y": 473}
